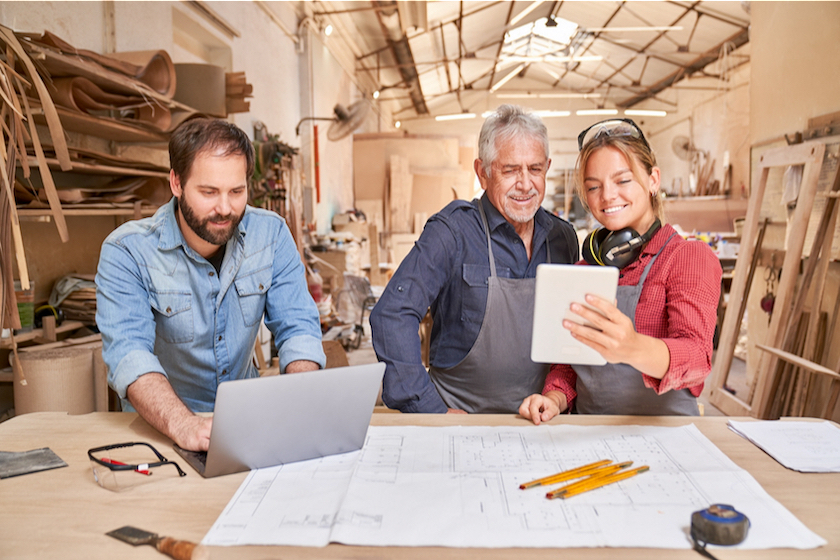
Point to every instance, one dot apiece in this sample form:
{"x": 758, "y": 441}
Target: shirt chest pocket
{"x": 173, "y": 316}
{"x": 251, "y": 291}
{"x": 476, "y": 279}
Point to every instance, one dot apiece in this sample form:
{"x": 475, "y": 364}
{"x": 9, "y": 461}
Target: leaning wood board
{"x": 811, "y": 155}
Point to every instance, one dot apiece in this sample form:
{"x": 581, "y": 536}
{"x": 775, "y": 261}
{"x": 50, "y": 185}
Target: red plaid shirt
{"x": 678, "y": 305}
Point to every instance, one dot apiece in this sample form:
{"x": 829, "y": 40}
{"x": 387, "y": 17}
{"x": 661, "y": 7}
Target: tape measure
{"x": 719, "y": 524}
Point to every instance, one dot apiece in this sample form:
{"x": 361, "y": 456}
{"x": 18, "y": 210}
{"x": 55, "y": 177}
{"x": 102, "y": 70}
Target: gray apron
{"x": 497, "y": 373}
{"x": 619, "y": 388}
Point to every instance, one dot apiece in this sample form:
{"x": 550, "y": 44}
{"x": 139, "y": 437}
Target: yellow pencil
{"x": 597, "y": 483}
{"x": 600, "y": 473}
{"x": 566, "y": 475}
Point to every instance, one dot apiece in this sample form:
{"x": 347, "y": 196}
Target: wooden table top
{"x": 63, "y": 513}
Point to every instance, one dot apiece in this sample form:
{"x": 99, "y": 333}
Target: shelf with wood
{"x": 113, "y": 209}
{"x": 38, "y": 335}
{"x": 101, "y": 127}
{"x": 102, "y": 169}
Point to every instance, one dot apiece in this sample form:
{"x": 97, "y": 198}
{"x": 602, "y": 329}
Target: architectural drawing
{"x": 459, "y": 486}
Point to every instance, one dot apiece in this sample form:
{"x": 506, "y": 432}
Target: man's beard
{"x": 519, "y": 215}
{"x": 216, "y": 237}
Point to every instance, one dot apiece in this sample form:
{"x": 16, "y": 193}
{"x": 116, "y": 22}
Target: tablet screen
{"x": 557, "y": 287}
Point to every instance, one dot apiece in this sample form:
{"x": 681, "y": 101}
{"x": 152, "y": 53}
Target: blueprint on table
{"x": 459, "y": 487}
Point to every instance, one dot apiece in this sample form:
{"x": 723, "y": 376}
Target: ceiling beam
{"x": 711, "y": 13}
{"x": 644, "y": 49}
{"x": 501, "y": 45}
{"x": 739, "y": 39}
{"x": 398, "y": 43}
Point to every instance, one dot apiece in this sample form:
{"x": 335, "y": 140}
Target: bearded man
{"x": 180, "y": 295}
{"x": 474, "y": 267}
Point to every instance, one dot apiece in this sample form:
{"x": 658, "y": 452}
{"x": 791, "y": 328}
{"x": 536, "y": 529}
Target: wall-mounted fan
{"x": 683, "y": 148}
{"x": 345, "y": 121}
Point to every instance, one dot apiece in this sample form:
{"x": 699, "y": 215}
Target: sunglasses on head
{"x": 611, "y": 127}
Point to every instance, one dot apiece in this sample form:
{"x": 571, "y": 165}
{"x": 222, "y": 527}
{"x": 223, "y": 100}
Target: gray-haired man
{"x": 474, "y": 265}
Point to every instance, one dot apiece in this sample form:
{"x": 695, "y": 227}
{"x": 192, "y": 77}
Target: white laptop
{"x": 557, "y": 286}
{"x": 268, "y": 421}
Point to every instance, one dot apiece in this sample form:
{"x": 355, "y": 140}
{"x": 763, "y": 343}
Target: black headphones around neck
{"x": 616, "y": 248}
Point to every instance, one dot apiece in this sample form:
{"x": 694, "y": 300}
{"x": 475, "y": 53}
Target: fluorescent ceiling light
{"x": 626, "y": 29}
{"x": 521, "y": 15}
{"x": 547, "y": 95}
{"x": 587, "y": 112}
{"x": 455, "y": 117}
{"x": 569, "y": 95}
{"x": 549, "y": 58}
{"x": 545, "y": 114}
{"x": 507, "y": 78}
{"x": 645, "y": 113}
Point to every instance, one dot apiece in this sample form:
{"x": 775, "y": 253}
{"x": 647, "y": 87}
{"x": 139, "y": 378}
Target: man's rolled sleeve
{"x": 301, "y": 347}
{"x": 130, "y": 368}
{"x": 124, "y": 319}
{"x": 291, "y": 313}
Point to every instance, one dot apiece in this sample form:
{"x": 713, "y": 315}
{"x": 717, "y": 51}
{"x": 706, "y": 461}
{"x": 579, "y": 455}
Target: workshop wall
{"x": 793, "y": 80}
{"x": 795, "y": 77}
{"x": 331, "y": 85}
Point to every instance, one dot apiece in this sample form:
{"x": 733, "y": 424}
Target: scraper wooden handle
{"x": 181, "y": 550}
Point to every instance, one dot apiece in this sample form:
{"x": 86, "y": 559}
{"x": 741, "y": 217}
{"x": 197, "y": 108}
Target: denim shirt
{"x": 161, "y": 307}
{"x": 447, "y": 270}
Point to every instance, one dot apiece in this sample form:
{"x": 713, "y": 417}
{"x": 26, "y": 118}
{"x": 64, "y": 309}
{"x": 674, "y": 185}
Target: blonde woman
{"x": 657, "y": 336}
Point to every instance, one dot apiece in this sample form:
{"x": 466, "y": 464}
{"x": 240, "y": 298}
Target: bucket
{"x": 26, "y": 306}
{"x": 57, "y": 380}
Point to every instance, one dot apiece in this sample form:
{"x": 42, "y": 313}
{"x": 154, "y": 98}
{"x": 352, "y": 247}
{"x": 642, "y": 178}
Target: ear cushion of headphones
{"x": 592, "y": 246}
{"x": 621, "y": 239}
{"x": 600, "y": 243}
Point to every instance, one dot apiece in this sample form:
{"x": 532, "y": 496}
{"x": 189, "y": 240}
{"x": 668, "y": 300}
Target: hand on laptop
{"x": 155, "y": 400}
{"x": 455, "y": 411}
{"x": 193, "y": 433}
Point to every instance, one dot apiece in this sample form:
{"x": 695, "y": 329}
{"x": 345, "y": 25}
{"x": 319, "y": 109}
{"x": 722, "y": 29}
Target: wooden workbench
{"x": 64, "y": 514}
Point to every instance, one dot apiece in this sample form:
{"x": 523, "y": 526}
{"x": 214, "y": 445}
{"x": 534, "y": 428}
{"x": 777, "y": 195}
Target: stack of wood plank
{"x": 133, "y": 88}
{"x": 80, "y": 305}
{"x": 97, "y": 178}
{"x": 236, "y": 90}
{"x": 706, "y": 186}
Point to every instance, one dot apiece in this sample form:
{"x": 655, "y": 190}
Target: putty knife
{"x": 179, "y": 550}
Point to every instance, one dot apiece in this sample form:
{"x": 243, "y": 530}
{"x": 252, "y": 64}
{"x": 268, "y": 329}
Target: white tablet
{"x": 557, "y": 287}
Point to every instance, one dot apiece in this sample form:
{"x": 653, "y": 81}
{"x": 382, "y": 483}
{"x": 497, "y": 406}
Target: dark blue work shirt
{"x": 447, "y": 270}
